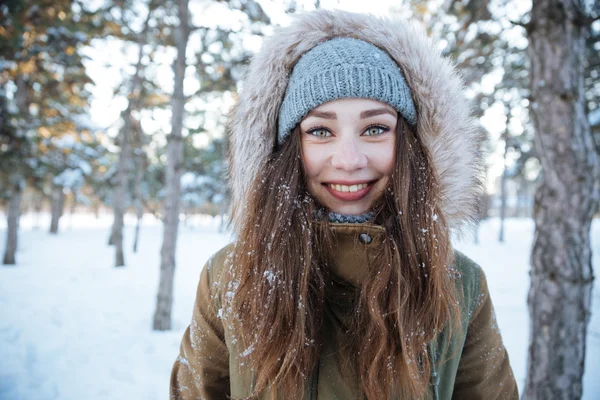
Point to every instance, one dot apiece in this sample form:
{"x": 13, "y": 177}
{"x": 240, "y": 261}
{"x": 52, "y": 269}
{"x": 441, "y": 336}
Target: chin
{"x": 350, "y": 210}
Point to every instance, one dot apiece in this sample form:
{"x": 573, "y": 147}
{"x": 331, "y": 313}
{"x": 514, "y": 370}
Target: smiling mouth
{"x": 346, "y": 188}
{"x": 349, "y": 192}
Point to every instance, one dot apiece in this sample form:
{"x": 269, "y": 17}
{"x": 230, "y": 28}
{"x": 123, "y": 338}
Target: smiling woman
{"x": 353, "y": 155}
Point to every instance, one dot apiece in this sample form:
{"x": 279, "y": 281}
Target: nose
{"x": 348, "y": 156}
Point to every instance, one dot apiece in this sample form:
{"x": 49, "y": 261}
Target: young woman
{"x": 353, "y": 157}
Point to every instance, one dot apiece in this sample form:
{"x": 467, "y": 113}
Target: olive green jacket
{"x": 472, "y": 366}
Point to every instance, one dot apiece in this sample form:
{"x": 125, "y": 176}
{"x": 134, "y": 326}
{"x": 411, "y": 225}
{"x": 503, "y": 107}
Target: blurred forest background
{"x": 56, "y": 156}
{"x": 119, "y": 106}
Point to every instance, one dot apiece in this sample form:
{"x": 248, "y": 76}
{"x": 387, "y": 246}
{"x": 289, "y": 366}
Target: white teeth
{"x": 352, "y": 188}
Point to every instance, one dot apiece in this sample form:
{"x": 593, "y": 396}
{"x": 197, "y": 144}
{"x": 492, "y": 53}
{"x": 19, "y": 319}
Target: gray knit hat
{"x": 339, "y": 68}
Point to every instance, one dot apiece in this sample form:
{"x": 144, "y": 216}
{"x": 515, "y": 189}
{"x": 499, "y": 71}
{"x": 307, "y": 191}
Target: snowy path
{"x": 73, "y": 327}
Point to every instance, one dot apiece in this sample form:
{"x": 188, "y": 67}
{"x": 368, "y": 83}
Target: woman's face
{"x": 348, "y": 148}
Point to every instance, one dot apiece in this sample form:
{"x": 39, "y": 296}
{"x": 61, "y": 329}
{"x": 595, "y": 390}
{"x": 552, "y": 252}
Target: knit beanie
{"x": 343, "y": 67}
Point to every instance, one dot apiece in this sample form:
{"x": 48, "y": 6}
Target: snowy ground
{"x": 73, "y": 327}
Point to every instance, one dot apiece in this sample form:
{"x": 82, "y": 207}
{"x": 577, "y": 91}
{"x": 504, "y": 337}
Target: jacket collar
{"x": 353, "y": 247}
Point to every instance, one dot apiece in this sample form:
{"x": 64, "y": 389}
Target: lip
{"x": 349, "y": 196}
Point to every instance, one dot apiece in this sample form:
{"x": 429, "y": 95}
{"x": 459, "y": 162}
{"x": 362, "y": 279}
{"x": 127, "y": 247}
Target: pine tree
{"x": 41, "y": 67}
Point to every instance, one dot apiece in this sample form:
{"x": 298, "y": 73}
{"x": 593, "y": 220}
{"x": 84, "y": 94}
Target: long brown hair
{"x": 281, "y": 275}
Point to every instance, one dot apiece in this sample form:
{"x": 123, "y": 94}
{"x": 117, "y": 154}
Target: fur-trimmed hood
{"x": 444, "y": 123}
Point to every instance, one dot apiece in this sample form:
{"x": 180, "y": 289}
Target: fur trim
{"x": 450, "y": 133}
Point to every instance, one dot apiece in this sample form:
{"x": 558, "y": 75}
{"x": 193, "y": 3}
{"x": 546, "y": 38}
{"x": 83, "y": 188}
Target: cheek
{"x": 313, "y": 160}
{"x": 388, "y": 164}
{"x": 383, "y": 158}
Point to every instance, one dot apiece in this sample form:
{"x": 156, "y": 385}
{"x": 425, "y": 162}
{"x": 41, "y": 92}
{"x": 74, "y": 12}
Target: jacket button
{"x": 365, "y": 238}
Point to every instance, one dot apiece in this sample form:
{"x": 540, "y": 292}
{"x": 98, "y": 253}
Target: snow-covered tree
{"x": 217, "y": 62}
{"x": 44, "y": 89}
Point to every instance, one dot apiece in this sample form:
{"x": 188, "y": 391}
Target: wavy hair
{"x": 281, "y": 277}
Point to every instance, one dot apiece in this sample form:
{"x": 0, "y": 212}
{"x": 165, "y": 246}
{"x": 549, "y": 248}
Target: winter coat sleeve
{"x": 202, "y": 369}
{"x": 484, "y": 371}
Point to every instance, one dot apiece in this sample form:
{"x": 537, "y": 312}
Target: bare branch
{"x": 521, "y": 24}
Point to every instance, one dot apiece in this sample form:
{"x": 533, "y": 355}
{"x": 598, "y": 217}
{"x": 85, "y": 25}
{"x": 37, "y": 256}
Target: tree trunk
{"x": 503, "y": 188}
{"x": 116, "y": 236}
{"x": 96, "y": 208}
{"x": 72, "y": 207}
{"x": 58, "y": 206}
{"x": 120, "y": 194}
{"x": 565, "y": 202}
{"x": 121, "y": 197}
{"x": 502, "y": 203}
{"x": 164, "y": 300}
{"x": 522, "y": 196}
{"x": 139, "y": 207}
{"x": 12, "y": 225}
{"x": 140, "y": 215}
{"x": 111, "y": 237}
{"x": 37, "y": 208}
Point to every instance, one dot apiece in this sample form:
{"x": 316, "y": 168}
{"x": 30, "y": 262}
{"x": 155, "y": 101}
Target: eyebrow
{"x": 363, "y": 115}
{"x": 322, "y": 114}
{"x": 375, "y": 112}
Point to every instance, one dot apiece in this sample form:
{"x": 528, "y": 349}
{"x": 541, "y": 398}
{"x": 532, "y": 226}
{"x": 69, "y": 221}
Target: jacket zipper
{"x": 435, "y": 378}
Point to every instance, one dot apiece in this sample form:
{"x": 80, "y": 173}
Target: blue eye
{"x": 376, "y": 130}
{"x": 319, "y": 132}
